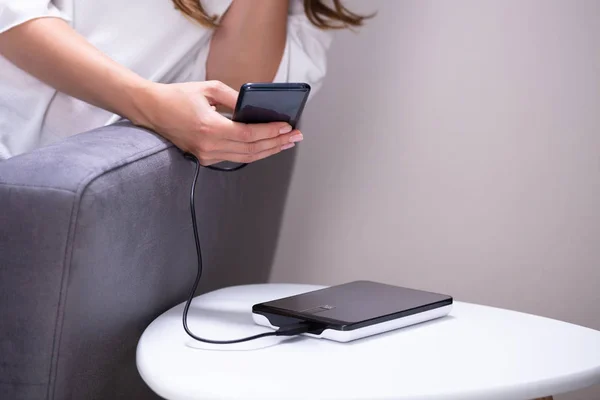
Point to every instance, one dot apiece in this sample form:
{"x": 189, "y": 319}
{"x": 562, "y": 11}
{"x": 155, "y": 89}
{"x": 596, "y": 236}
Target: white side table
{"x": 476, "y": 353}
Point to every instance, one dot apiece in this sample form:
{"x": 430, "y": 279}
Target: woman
{"x": 68, "y": 66}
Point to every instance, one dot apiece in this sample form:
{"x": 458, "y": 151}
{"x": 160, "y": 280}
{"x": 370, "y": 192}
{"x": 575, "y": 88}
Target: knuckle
{"x": 201, "y": 125}
{"x": 269, "y": 133}
{"x": 214, "y": 85}
{"x": 251, "y": 148}
{"x": 246, "y": 134}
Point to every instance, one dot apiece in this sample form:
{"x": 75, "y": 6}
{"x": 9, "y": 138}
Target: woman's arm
{"x": 249, "y": 42}
{"x": 50, "y": 50}
{"x": 263, "y": 41}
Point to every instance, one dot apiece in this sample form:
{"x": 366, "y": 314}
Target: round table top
{"x": 477, "y": 352}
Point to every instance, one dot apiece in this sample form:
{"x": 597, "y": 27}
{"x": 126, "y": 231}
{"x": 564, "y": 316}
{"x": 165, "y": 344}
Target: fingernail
{"x": 285, "y": 129}
{"x": 296, "y": 138}
{"x": 287, "y": 146}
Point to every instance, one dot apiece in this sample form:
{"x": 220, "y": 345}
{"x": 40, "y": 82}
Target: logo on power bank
{"x": 318, "y": 309}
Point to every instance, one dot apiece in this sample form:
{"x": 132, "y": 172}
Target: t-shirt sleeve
{"x": 305, "y": 55}
{"x": 16, "y": 12}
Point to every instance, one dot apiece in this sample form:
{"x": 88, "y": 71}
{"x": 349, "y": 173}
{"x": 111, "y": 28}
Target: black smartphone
{"x": 271, "y": 102}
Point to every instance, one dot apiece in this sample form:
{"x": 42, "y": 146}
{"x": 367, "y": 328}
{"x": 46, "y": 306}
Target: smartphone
{"x": 271, "y": 102}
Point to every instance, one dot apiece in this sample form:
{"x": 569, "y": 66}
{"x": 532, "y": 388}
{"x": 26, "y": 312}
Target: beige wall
{"x": 456, "y": 147}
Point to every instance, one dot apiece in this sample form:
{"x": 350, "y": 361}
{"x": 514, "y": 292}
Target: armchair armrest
{"x": 96, "y": 241}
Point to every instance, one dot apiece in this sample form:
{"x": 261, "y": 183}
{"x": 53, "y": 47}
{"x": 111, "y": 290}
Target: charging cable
{"x": 288, "y": 330}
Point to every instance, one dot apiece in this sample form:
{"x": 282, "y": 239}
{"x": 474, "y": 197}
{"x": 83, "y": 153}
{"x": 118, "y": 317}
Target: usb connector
{"x": 295, "y": 329}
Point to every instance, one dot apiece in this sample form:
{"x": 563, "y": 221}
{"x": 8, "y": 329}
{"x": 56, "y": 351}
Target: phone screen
{"x": 264, "y": 105}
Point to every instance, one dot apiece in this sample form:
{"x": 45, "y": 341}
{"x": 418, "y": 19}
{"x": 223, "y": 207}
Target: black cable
{"x": 291, "y": 330}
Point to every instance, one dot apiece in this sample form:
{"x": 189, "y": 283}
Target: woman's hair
{"x": 321, "y": 15}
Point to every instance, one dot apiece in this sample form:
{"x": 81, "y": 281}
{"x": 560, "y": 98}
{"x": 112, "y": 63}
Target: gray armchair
{"x": 96, "y": 241}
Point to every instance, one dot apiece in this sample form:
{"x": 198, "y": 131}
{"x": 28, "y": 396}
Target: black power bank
{"x": 354, "y": 310}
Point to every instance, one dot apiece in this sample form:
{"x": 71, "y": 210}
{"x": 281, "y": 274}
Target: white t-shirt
{"x": 151, "y": 38}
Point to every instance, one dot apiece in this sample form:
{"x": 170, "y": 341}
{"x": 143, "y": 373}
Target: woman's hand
{"x": 185, "y": 114}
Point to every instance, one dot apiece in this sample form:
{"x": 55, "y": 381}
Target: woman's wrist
{"x": 137, "y": 94}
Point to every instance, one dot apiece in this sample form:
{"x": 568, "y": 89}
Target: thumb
{"x": 219, "y": 93}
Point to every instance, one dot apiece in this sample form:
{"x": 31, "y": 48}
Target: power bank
{"x": 353, "y": 310}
